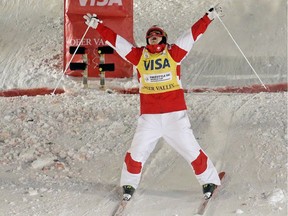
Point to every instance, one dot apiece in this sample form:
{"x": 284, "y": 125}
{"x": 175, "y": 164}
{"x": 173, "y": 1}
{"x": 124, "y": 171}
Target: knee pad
{"x": 200, "y": 164}
{"x": 133, "y": 166}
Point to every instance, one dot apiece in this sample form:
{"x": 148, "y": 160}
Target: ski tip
{"x": 221, "y": 174}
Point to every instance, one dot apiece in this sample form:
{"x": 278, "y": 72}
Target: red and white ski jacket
{"x": 158, "y": 72}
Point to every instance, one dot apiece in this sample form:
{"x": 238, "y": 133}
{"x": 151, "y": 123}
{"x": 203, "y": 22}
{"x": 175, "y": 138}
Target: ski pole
{"x": 240, "y": 50}
{"x": 66, "y": 68}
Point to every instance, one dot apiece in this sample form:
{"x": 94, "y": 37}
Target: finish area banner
{"x": 116, "y": 14}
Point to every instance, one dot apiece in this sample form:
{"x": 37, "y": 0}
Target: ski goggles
{"x": 155, "y": 33}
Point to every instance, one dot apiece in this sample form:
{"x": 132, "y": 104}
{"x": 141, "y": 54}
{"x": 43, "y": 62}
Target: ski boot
{"x": 128, "y": 191}
{"x": 208, "y": 190}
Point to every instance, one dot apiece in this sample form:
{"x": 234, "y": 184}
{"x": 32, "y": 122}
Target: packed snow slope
{"x": 63, "y": 154}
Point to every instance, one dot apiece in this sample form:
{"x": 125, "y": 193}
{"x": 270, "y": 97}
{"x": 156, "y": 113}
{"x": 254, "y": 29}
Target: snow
{"x": 63, "y": 154}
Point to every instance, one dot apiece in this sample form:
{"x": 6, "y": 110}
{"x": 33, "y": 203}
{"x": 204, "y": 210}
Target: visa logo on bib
{"x": 100, "y": 3}
{"x": 156, "y": 64}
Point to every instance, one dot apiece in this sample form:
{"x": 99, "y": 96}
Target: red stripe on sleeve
{"x": 177, "y": 53}
{"x": 107, "y": 34}
{"x": 200, "y": 26}
{"x": 135, "y": 55}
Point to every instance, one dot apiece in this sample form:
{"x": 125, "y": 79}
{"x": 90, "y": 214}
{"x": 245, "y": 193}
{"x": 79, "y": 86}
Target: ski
{"x": 203, "y": 206}
{"x": 121, "y": 207}
{"x": 128, "y": 191}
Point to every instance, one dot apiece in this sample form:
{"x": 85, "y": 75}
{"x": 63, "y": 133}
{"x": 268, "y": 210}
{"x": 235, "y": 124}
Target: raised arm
{"x": 123, "y": 47}
{"x": 185, "y": 42}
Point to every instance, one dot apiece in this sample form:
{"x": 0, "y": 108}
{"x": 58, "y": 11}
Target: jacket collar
{"x": 156, "y": 48}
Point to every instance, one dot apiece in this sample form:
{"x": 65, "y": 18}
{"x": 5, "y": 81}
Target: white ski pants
{"x": 176, "y": 130}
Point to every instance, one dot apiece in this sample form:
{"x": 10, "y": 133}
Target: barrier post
{"x": 80, "y": 65}
{"x": 102, "y": 65}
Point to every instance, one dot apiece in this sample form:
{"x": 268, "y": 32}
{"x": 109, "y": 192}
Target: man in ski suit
{"x": 162, "y": 103}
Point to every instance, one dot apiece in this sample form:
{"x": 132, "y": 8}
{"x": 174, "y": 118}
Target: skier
{"x": 162, "y": 104}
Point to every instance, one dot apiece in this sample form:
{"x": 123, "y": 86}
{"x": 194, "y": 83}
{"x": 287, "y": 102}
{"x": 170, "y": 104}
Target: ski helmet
{"x": 156, "y": 31}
